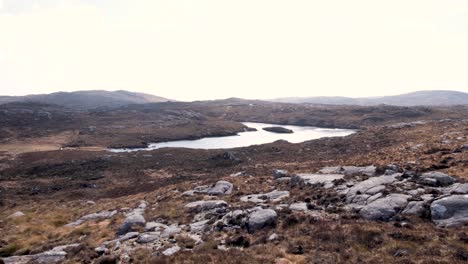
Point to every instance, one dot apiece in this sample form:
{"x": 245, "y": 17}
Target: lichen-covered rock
{"x": 450, "y": 211}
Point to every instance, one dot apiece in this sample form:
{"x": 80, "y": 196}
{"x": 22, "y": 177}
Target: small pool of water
{"x": 244, "y": 139}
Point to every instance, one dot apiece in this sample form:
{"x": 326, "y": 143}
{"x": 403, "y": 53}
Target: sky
{"x": 207, "y": 49}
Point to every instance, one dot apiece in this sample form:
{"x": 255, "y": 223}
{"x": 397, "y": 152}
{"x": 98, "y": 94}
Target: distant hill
{"x": 87, "y": 99}
{"x": 423, "y": 98}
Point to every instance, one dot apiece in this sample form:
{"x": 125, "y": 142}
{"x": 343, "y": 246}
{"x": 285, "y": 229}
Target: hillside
{"x": 87, "y": 99}
{"x": 427, "y": 98}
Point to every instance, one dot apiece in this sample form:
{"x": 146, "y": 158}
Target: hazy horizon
{"x": 201, "y": 99}
{"x": 213, "y": 49}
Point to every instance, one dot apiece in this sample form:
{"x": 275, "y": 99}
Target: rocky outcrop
{"x": 436, "y": 179}
{"x": 56, "y": 255}
{"x": 219, "y": 188}
{"x": 200, "y": 206}
{"x": 134, "y": 219}
{"x": 325, "y": 179}
{"x": 274, "y": 196}
{"x": 384, "y": 208}
{"x": 95, "y": 216}
{"x": 450, "y": 211}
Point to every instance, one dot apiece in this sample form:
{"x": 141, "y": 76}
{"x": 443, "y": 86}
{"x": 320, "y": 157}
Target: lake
{"x": 244, "y": 139}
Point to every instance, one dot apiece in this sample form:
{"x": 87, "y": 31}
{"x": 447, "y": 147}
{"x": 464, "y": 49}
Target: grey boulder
{"x": 261, "y": 218}
{"x": 200, "y": 206}
{"x": 437, "y": 179}
{"x": 274, "y": 196}
{"x": 384, "y": 208}
{"x": 130, "y": 222}
{"x": 450, "y": 211}
{"x": 221, "y": 188}
{"x": 280, "y": 173}
{"x": 415, "y": 208}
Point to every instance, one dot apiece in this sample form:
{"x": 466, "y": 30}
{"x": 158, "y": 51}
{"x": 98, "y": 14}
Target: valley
{"x": 66, "y": 199}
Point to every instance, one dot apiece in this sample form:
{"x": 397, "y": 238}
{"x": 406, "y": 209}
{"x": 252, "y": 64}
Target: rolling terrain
{"x": 83, "y": 100}
{"x": 420, "y": 98}
{"x": 370, "y": 197}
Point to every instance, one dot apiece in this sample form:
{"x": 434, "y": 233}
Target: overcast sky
{"x": 204, "y": 49}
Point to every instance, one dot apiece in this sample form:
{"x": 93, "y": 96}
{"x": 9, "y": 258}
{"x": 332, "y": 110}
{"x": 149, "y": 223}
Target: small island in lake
{"x": 281, "y": 130}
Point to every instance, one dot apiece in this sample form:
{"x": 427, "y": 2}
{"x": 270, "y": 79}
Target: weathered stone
{"x": 353, "y": 170}
{"x": 326, "y": 179}
{"x": 384, "y": 208}
{"x": 261, "y": 218}
{"x": 154, "y": 226}
{"x": 280, "y": 173}
{"x": 221, "y": 188}
{"x": 101, "y": 250}
{"x": 450, "y": 211}
{"x": 457, "y": 188}
{"x": 130, "y": 222}
{"x": 16, "y": 215}
{"x": 199, "y": 227}
{"x": 95, "y": 216}
{"x": 148, "y": 237}
{"x": 201, "y": 206}
{"x": 369, "y": 185}
{"x": 171, "y": 231}
{"x": 415, "y": 208}
{"x": 437, "y": 179}
{"x": 300, "y": 207}
{"x": 171, "y": 251}
{"x": 56, "y": 255}
{"x": 331, "y": 170}
{"x": 274, "y": 196}
{"x": 129, "y": 235}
